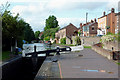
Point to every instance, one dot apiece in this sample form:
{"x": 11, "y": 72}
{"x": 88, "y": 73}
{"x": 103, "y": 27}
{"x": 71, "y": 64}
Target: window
{"x": 93, "y": 28}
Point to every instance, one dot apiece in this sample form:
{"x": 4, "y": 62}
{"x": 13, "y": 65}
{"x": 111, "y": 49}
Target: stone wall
{"x": 103, "y": 52}
{"x": 87, "y": 41}
{"x": 112, "y": 44}
{"x": 68, "y": 41}
{"x": 73, "y": 40}
{"x": 20, "y": 68}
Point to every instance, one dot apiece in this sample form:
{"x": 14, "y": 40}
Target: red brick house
{"x": 66, "y": 32}
{"x": 117, "y": 23}
{"x": 89, "y": 29}
{"x": 40, "y": 35}
{"x": 106, "y": 23}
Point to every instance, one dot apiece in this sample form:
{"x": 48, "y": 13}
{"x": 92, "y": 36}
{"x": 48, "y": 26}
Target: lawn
{"x": 65, "y": 44}
{"x": 118, "y": 63}
{"x": 87, "y": 46}
{"x": 5, "y": 55}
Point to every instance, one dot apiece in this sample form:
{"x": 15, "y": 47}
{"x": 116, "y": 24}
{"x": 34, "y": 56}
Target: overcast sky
{"x": 67, "y": 11}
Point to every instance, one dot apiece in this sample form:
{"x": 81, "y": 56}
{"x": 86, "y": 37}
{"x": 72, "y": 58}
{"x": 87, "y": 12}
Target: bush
{"x": 109, "y": 33}
{"x": 77, "y": 41}
{"x": 107, "y": 38}
{"x": 63, "y": 40}
{"x": 119, "y": 36}
{"x": 47, "y": 38}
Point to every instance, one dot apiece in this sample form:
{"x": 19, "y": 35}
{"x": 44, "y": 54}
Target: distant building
{"x": 90, "y": 29}
{"x": 66, "y": 32}
{"x": 80, "y": 29}
{"x": 106, "y": 23}
{"x": 102, "y": 23}
{"x": 40, "y": 35}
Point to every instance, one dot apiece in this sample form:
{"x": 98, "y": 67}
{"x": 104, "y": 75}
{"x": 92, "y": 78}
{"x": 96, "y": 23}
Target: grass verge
{"x": 87, "y": 46}
{"x": 65, "y": 44}
{"x": 118, "y": 63}
{"x": 5, "y": 55}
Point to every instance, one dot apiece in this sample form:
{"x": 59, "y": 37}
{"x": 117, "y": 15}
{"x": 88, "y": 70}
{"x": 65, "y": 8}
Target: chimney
{"x": 104, "y": 13}
{"x": 92, "y": 21}
{"x": 112, "y": 10}
{"x": 95, "y": 20}
{"x": 81, "y": 25}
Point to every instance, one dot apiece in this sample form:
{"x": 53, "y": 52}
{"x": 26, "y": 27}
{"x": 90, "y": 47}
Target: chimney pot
{"x": 95, "y": 19}
{"x": 112, "y": 10}
{"x": 92, "y": 21}
{"x": 104, "y": 13}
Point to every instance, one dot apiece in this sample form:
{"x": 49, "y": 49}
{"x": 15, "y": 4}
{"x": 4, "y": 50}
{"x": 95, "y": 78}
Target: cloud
{"x": 35, "y": 12}
{"x": 76, "y": 4}
{"x": 65, "y": 21}
{"x": 112, "y": 4}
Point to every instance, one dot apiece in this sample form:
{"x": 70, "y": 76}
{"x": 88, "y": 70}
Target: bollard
{"x": 112, "y": 48}
{"x": 47, "y": 54}
{"x": 58, "y": 50}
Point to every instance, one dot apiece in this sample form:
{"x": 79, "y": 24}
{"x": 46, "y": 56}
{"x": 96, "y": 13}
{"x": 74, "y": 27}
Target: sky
{"x": 66, "y": 11}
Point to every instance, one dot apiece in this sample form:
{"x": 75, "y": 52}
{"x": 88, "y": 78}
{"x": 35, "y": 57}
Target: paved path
{"x": 90, "y": 65}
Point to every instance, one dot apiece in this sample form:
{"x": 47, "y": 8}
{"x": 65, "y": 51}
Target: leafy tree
{"x": 37, "y": 33}
{"x": 50, "y": 32}
{"x": 47, "y": 38}
{"x": 14, "y": 30}
{"x": 51, "y": 22}
{"x": 28, "y": 33}
{"x": 12, "y": 27}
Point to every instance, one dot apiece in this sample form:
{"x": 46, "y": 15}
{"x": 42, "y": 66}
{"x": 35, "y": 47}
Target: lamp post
{"x": 11, "y": 45}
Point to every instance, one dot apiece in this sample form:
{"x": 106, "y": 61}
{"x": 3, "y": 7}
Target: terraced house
{"x": 66, "y": 32}
{"x": 106, "y": 23}
{"x": 90, "y": 28}
{"x": 117, "y": 23}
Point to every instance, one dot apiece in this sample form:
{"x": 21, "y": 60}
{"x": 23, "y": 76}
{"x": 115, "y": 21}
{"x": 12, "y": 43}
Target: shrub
{"x": 77, "y": 41}
{"x": 107, "y": 38}
{"x": 63, "y": 40}
{"x": 47, "y": 38}
{"x": 119, "y": 36}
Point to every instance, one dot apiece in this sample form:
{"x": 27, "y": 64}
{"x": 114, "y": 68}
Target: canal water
{"x": 27, "y": 48}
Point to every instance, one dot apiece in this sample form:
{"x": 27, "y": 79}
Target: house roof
{"x": 90, "y": 24}
{"x": 41, "y": 34}
{"x": 68, "y": 26}
{"x": 106, "y": 15}
{"x": 102, "y": 16}
{"x": 117, "y": 13}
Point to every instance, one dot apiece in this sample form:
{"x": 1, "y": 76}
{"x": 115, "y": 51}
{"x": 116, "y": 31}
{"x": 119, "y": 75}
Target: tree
{"x": 28, "y": 33}
{"x": 37, "y": 33}
{"x": 51, "y": 22}
{"x": 12, "y": 27}
{"x": 14, "y": 30}
{"x": 50, "y": 32}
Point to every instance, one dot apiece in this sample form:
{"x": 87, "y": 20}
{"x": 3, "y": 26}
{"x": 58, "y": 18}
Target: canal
{"x": 22, "y": 68}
